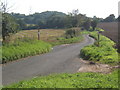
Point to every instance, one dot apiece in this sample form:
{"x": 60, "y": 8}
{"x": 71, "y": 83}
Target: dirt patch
{"x": 95, "y": 67}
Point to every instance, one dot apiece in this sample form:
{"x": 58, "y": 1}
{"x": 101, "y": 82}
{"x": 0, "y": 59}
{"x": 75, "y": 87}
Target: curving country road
{"x": 62, "y": 59}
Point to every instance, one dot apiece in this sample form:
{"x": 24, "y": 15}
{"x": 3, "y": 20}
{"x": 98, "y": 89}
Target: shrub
{"x": 72, "y": 33}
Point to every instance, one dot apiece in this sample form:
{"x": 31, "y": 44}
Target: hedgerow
{"x": 104, "y": 53}
{"x": 23, "y": 49}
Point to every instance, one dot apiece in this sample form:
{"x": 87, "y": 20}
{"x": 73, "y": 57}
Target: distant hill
{"x": 39, "y": 18}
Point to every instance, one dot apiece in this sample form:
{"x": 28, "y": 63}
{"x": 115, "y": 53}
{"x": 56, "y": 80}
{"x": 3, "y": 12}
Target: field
{"x": 111, "y": 30}
{"x": 45, "y": 34}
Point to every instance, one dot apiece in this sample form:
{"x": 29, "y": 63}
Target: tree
{"x": 110, "y": 18}
{"x": 8, "y": 22}
{"x": 22, "y": 24}
{"x": 87, "y": 24}
{"x": 94, "y": 24}
{"x": 118, "y": 19}
{"x": 8, "y": 25}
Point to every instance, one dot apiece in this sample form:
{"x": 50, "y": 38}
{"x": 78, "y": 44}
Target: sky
{"x": 99, "y": 8}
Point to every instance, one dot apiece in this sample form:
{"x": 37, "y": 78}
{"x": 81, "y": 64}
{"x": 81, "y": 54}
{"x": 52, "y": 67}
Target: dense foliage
{"x": 55, "y": 19}
{"x": 50, "y": 19}
{"x": 110, "y": 18}
{"x": 9, "y": 25}
{"x": 70, "y": 33}
{"x": 23, "y": 49}
{"x": 77, "y": 80}
{"x": 105, "y": 53}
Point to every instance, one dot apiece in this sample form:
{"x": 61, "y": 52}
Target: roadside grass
{"x": 105, "y": 53}
{"x": 62, "y": 40}
{"x": 21, "y": 49}
{"x": 65, "y": 80}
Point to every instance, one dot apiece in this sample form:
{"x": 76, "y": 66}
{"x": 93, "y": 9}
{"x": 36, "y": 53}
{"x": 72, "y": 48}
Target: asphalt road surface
{"x": 62, "y": 59}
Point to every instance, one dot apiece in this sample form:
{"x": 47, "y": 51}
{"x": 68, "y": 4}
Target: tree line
{"x": 51, "y": 19}
{"x": 54, "y": 19}
{"x": 11, "y": 22}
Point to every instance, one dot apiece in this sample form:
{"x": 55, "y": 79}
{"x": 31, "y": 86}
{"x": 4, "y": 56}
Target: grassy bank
{"x": 104, "y": 53}
{"x": 21, "y": 49}
{"x": 77, "y": 80}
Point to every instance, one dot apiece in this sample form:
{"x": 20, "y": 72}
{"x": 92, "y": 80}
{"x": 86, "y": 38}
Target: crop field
{"x": 111, "y": 30}
{"x": 45, "y": 34}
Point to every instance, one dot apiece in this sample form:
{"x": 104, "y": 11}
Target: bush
{"x": 72, "y": 33}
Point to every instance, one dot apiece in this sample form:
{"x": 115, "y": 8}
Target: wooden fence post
{"x": 38, "y": 34}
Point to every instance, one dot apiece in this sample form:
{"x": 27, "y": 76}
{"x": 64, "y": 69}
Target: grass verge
{"x": 63, "y": 40}
{"x": 23, "y": 49}
{"x": 104, "y": 53}
{"x": 77, "y": 80}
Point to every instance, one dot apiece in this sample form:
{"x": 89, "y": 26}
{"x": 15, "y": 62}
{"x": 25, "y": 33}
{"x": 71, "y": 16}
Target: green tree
{"x": 22, "y": 24}
{"x": 87, "y": 24}
{"x": 110, "y": 18}
{"x": 94, "y": 24}
{"x": 118, "y": 19}
{"x": 8, "y": 22}
{"x": 8, "y": 25}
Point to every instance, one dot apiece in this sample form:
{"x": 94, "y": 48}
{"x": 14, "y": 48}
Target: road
{"x": 62, "y": 59}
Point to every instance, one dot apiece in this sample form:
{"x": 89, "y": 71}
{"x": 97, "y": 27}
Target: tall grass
{"x": 21, "y": 49}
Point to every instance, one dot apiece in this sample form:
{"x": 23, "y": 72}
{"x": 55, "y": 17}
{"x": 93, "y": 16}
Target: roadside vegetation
{"x": 77, "y": 80}
{"x": 23, "y": 48}
{"x": 70, "y": 36}
{"x": 16, "y": 48}
{"x": 63, "y": 40}
{"x": 103, "y": 53}
{"x": 81, "y": 80}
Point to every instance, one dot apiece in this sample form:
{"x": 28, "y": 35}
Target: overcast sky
{"x": 99, "y": 8}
